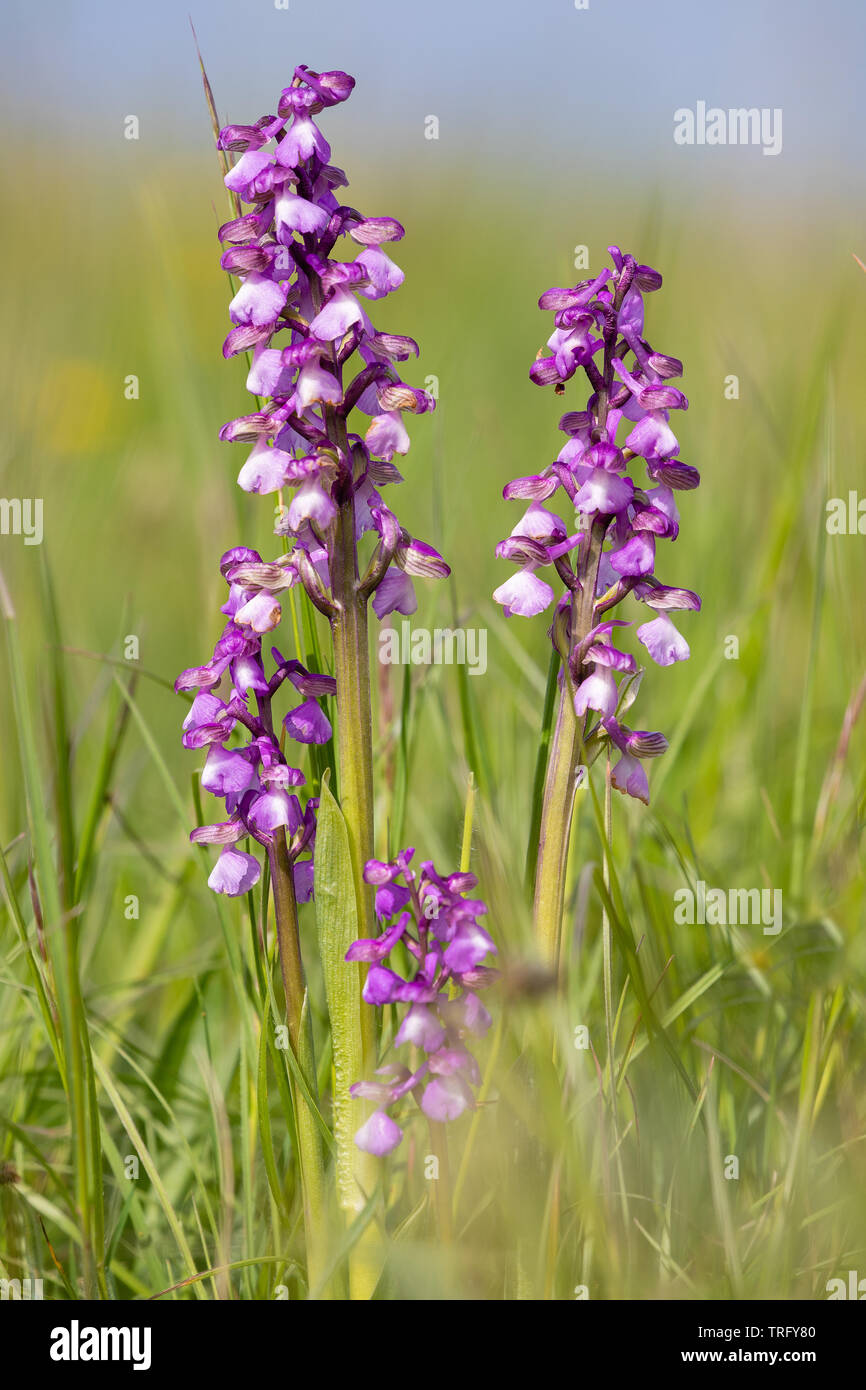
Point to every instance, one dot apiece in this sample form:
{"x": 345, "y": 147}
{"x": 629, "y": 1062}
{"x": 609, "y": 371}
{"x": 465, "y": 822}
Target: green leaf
{"x": 337, "y": 926}
{"x": 545, "y": 736}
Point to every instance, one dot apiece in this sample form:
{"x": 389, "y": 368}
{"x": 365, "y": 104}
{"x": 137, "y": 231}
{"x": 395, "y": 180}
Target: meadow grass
{"x": 138, "y": 1012}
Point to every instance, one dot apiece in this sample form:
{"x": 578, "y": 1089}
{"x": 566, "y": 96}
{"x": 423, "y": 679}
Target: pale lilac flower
{"x": 524, "y": 594}
{"x": 266, "y": 469}
{"x": 234, "y": 873}
{"x": 437, "y": 924}
{"x": 379, "y": 1135}
{"x": 661, "y": 639}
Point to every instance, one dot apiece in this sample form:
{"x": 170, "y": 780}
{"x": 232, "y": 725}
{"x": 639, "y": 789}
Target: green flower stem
{"x": 300, "y": 1038}
{"x": 558, "y": 805}
{"x": 355, "y": 765}
{"x": 354, "y": 719}
{"x": 301, "y": 1041}
{"x": 607, "y": 942}
{"x": 285, "y": 907}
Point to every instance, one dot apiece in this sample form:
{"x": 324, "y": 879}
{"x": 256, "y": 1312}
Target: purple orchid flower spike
{"x": 434, "y": 922}
{"x": 619, "y": 522}
{"x": 326, "y": 437}
{"x": 252, "y": 776}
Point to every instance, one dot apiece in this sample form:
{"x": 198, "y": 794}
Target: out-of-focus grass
{"x": 556, "y": 1185}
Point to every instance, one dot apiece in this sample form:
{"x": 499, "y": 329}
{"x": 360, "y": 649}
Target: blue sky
{"x": 522, "y": 82}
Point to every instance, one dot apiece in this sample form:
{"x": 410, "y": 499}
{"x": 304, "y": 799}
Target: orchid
{"x": 302, "y": 316}
{"x": 332, "y": 419}
{"x": 253, "y": 780}
{"x": 611, "y": 551}
{"x": 328, "y": 424}
{"x": 432, "y": 920}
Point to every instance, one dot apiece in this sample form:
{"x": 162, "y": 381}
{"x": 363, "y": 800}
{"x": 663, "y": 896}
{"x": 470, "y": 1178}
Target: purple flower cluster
{"x": 255, "y": 780}
{"x": 437, "y": 925}
{"x": 612, "y": 551}
{"x": 299, "y": 313}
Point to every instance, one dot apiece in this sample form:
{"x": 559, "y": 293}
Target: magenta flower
{"x": 323, "y": 434}
{"x": 436, "y": 928}
{"x": 252, "y": 777}
{"x": 609, "y": 551}
{"x": 308, "y": 723}
{"x": 619, "y": 519}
